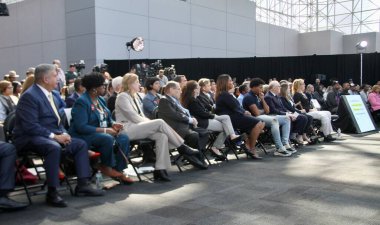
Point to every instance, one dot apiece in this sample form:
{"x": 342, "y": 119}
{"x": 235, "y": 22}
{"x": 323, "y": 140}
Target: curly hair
{"x": 92, "y": 80}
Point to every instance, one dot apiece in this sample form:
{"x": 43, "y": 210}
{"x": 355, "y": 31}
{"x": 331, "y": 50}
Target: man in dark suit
{"x": 276, "y": 107}
{"x": 39, "y": 128}
{"x": 7, "y": 177}
{"x": 333, "y": 98}
{"x": 171, "y": 111}
{"x": 79, "y": 90}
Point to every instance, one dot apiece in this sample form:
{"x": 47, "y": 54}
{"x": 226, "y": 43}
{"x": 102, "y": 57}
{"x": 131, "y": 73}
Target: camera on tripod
{"x": 80, "y": 66}
{"x": 154, "y": 68}
{"x": 101, "y": 68}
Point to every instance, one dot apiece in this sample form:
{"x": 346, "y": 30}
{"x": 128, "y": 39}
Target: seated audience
{"x": 152, "y": 97}
{"x": 311, "y": 93}
{"x": 92, "y": 122}
{"x": 116, "y": 86}
{"x": 29, "y": 81}
{"x": 207, "y": 120}
{"x": 128, "y": 111}
{"x": 79, "y": 90}
{"x": 17, "y": 89}
{"x": 374, "y": 101}
{"x": 205, "y": 96}
{"x": 226, "y": 104}
{"x": 345, "y": 89}
{"x": 304, "y": 103}
{"x": 255, "y": 103}
{"x": 6, "y": 103}
{"x": 277, "y": 102}
{"x": 7, "y": 177}
{"x": 39, "y": 128}
{"x": 162, "y": 78}
{"x": 172, "y": 112}
{"x": 333, "y": 98}
{"x": 243, "y": 90}
{"x": 364, "y": 92}
{"x": 181, "y": 80}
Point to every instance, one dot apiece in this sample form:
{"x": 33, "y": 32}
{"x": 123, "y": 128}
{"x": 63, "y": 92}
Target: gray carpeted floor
{"x": 335, "y": 183}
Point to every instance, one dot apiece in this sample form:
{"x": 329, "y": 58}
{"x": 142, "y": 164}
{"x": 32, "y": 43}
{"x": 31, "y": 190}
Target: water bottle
{"x": 99, "y": 180}
{"x": 339, "y": 132}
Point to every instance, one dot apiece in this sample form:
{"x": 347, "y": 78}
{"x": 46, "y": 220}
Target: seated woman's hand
{"x": 112, "y": 131}
{"x": 117, "y": 126}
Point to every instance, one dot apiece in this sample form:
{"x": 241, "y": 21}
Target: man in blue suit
{"x": 79, "y": 90}
{"x": 39, "y": 128}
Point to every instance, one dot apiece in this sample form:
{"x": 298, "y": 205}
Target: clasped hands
{"x": 115, "y": 129}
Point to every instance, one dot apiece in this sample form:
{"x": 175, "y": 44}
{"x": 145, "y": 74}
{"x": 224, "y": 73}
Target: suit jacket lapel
{"x": 45, "y": 100}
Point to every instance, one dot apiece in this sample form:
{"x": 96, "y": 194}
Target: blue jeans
{"x": 275, "y": 122}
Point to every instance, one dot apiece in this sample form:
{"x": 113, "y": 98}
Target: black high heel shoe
{"x": 161, "y": 175}
{"x": 219, "y": 157}
{"x": 249, "y": 153}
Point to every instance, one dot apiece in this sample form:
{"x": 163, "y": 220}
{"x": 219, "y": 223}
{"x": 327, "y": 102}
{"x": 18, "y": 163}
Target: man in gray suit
{"x": 171, "y": 111}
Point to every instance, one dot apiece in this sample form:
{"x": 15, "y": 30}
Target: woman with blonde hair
{"x": 304, "y": 103}
{"x": 128, "y": 111}
{"x": 29, "y": 81}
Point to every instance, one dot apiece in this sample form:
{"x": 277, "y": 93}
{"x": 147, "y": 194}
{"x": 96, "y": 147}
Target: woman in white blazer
{"x": 128, "y": 111}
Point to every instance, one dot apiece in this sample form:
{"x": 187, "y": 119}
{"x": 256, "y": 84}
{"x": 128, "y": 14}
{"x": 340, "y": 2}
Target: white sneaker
{"x": 282, "y": 152}
{"x": 290, "y": 149}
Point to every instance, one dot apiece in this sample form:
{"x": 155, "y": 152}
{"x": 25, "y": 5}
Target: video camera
{"x": 154, "y": 68}
{"x": 80, "y": 66}
{"x": 101, "y": 68}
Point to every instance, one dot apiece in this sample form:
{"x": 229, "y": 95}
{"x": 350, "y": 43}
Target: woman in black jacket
{"x": 206, "y": 119}
{"x": 227, "y": 104}
{"x": 288, "y": 103}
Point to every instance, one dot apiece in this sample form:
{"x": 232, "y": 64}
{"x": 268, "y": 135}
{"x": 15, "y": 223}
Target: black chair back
{"x": 9, "y": 124}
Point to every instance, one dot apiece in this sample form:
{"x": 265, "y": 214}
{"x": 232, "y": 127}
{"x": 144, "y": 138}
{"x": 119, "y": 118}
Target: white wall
{"x": 41, "y": 30}
{"x": 320, "y": 43}
{"x": 350, "y": 41}
{"x": 273, "y": 40}
{"x": 175, "y": 29}
{"x": 34, "y": 33}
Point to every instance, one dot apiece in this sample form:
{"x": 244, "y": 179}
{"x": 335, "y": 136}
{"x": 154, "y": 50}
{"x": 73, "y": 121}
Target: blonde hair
{"x": 203, "y": 82}
{"x": 4, "y": 84}
{"x": 128, "y": 79}
{"x": 28, "y": 82}
{"x": 375, "y": 88}
{"x": 296, "y": 85}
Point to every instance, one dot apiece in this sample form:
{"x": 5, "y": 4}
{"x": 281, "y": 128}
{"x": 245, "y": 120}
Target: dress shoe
{"x": 10, "y": 205}
{"x": 250, "y": 153}
{"x": 195, "y": 161}
{"x": 55, "y": 200}
{"x": 329, "y": 138}
{"x": 87, "y": 190}
{"x": 186, "y": 150}
{"x": 110, "y": 172}
{"x": 125, "y": 180}
{"x": 161, "y": 175}
{"x": 217, "y": 154}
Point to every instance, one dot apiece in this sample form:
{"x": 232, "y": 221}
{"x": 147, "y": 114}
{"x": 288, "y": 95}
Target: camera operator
{"x": 162, "y": 78}
{"x": 71, "y": 74}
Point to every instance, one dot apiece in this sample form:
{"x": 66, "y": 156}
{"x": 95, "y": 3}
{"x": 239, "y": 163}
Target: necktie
{"x": 52, "y": 104}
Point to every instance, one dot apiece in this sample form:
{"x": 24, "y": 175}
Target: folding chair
{"x": 27, "y": 158}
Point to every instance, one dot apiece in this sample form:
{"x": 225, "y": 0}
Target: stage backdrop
{"x": 340, "y": 67}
